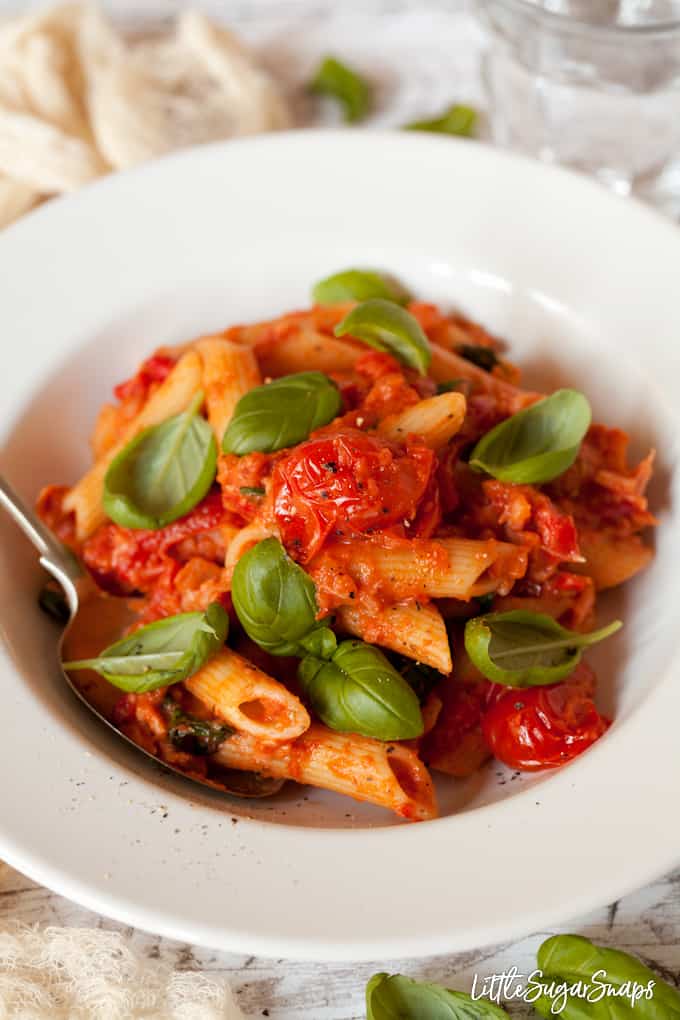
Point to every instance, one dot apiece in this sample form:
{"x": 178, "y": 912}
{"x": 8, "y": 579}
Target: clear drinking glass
{"x": 593, "y": 84}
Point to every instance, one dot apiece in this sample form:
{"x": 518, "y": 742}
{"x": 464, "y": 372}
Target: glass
{"x": 593, "y": 84}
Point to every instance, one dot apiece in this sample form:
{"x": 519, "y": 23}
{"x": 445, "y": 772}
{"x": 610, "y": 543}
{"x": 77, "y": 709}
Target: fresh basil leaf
{"x": 359, "y": 691}
{"x": 387, "y": 327}
{"x": 192, "y": 735}
{"x": 340, "y": 82}
{"x": 275, "y": 600}
{"x": 358, "y": 285}
{"x": 161, "y": 653}
{"x": 396, "y": 997}
{"x": 54, "y": 604}
{"x": 573, "y": 959}
{"x": 536, "y": 444}
{"x": 477, "y": 354}
{"x": 456, "y": 120}
{"x": 251, "y": 490}
{"x": 522, "y": 649}
{"x": 163, "y": 472}
{"x": 282, "y": 413}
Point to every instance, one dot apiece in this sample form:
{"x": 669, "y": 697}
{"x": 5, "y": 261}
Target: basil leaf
{"x": 282, "y": 413}
{"x": 573, "y": 959}
{"x": 358, "y": 285}
{"x": 54, "y": 604}
{"x": 342, "y": 83}
{"x": 161, "y": 653}
{"x": 422, "y": 679}
{"x": 456, "y": 120}
{"x": 252, "y": 490}
{"x": 163, "y": 472}
{"x": 387, "y": 327}
{"x": 275, "y": 600}
{"x": 395, "y": 997}
{"x": 536, "y": 444}
{"x": 192, "y": 735}
{"x": 359, "y": 691}
{"x": 483, "y": 357}
{"x": 522, "y": 649}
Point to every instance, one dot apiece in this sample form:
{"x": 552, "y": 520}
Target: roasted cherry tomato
{"x": 346, "y": 482}
{"x": 537, "y": 728}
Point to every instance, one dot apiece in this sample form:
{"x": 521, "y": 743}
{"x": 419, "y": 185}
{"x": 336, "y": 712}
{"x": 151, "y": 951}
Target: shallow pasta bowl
{"x": 585, "y": 288}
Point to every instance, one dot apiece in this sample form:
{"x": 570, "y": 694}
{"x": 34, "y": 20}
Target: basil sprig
{"x": 387, "y": 327}
{"x": 358, "y": 285}
{"x": 536, "y": 444}
{"x": 163, "y": 472}
{"x": 275, "y": 600}
{"x": 281, "y": 413}
{"x": 359, "y": 691}
{"x": 340, "y": 82}
{"x": 395, "y": 997}
{"x": 455, "y": 120}
{"x": 574, "y": 960}
{"x": 522, "y": 649}
{"x": 161, "y": 653}
{"x": 193, "y": 735}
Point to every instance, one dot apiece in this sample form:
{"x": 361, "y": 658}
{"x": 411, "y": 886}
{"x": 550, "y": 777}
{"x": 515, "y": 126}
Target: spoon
{"x": 79, "y": 589}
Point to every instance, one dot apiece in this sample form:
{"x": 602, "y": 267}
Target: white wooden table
{"x": 424, "y": 56}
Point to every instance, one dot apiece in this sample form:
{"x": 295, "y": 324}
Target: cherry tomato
{"x": 124, "y": 560}
{"x": 541, "y": 727}
{"x": 346, "y": 482}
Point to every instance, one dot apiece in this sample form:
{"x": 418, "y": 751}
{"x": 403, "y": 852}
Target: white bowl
{"x": 586, "y": 288}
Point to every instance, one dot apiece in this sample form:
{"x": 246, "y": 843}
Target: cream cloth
{"x": 88, "y": 974}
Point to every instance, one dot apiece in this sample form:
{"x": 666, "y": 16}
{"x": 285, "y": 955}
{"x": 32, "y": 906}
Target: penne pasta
{"x": 411, "y": 629}
{"x": 459, "y": 568}
{"x": 611, "y": 560}
{"x": 390, "y": 775}
{"x": 446, "y": 365}
{"x": 248, "y": 699}
{"x": 436, "y": 420}
{"x": 229, "y": 371}
{"x": 306, "y": 351}
{"x": 174, "y": 395}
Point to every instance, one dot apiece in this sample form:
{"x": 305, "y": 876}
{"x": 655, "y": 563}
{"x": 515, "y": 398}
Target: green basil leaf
{"x": 456, "y": 120}
{"x": 359, "y": 691}
{"x": 522, "y": 649}
{"x": 387, "y": 327}
{"x": 252, "y": 490}
{"x": 163, "y": 472}
{"x": 396, "y": 997}
{"x": 161, "y": 653}
{"x": 477, "y": 354}
{"x": 275, "y": 600}
{"x": 536, "y": 444}
{"x": 572, "y": 959}
{"x": 282, "y": 413}
{"x": 192, "y": 735}
{"x": 342, "y": 83}
{"x": 358, "y": 285}
{"x": 422, "y": 679}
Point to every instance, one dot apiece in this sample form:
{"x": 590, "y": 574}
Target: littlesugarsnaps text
{"x": 511, "y": 985}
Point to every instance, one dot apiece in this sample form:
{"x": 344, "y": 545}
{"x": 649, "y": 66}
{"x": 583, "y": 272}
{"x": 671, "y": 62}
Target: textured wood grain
{"x": 441, "y": 57}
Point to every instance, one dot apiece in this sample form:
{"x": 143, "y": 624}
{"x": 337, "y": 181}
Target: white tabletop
{"x": 424, "y": 56}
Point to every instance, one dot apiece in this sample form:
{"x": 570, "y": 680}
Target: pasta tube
{"x": 390, "y": 775}
{"x": 247, "y": 699}
{"x": 436, "y": 420}
{"x": 229, "y": 371}
{"x": 411, "y": 629}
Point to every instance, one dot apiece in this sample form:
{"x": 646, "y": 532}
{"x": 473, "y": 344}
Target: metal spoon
{"x": 78, "y": 587}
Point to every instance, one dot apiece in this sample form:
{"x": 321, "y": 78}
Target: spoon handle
{"x": 54, "y": 556}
